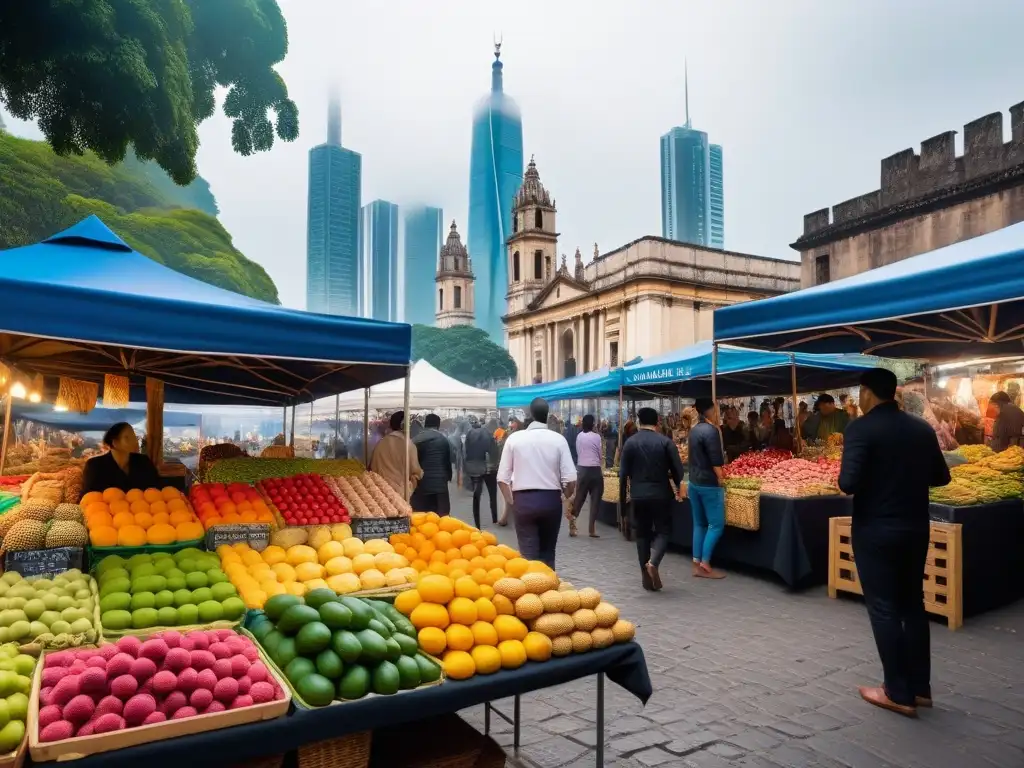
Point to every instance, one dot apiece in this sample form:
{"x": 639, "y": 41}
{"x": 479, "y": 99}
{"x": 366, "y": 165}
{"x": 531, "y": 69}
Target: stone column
{"x": 577, "y": 342}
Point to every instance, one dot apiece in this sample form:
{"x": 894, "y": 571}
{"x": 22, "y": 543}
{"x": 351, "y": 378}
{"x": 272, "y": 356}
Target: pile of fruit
{"x": 164, "y": 590}
{"x": 216, "y": 503}
{"x": 369, "y": 495}
{"x": 980, "y": 484}
{"x": 133, "y": 682}
{"x": 138, "y": 518}
{"x": 16, "y": 671}
{"x": 63, "y": 485}
{"x": 975, "y": 453}
{"x": 42, "y": 524}
{"x": 483, "y": 607}
{"x": 53, "y": 612}
{"x": 246, "y": 469}
{"x": 332, "y": 647}
{"x": 1010, "y": 460}
{"x": 304, "y": 500}
{"x": 800, "y": 477}
{"x": 338, "y": 562}
{"x": 755, "y": 463}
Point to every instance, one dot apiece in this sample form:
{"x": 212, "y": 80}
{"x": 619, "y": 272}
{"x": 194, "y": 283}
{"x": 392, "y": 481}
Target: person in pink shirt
{"x": 590, "y": 478}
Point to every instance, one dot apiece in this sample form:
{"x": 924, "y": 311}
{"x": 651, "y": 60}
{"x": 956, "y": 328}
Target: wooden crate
{"x": 943, "y": 570}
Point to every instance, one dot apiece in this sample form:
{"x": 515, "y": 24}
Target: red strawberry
{"x": 93, "y": 681}
{"x": 201, "y": 698}
{"x": 124, "y": 687}
{"x": 138, "y": 708}
{"x": 96, "y": 661}
{"x": 241, "y": 701}
{"x": 226, "y": 690}
{"x": 58, "y": 731}
{"x": 79, "y": 709}
{"x": 108, "y": 723}
{"x": 244, "y": 684}
{"x": 164, "y": 682}
{"x": 130, "y": 645}
{"x": 184, "y": 712}
{"x": 172, "y": 637}
{"x": 49, "y": 714}
{"x": 154, "y": 717}
{"x": 109, "y": 705}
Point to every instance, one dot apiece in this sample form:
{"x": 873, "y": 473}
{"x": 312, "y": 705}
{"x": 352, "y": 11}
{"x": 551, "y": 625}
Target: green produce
{"x": 275, "y": 606}
{"x": 312, "y": 638}
{"x": 298, "y": 668}
{"x": 297, "y": 617}
{"x": 54, "y": 612}
{"x": 429, "y": 671}
{"x": 329, "y": 664}
{"x": 335, "y": 615}
{"x": 386, "y": 680}
{"x": 316, "y": 690}
{"x": 250, "y": 470}
{"x": 355, "y": 683}
{"x": 16, "y": 671}
{"x": 408, "y": 672}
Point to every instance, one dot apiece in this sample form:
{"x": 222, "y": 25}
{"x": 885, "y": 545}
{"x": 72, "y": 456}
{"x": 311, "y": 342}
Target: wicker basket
{"x": 267, "y": 761}
{"x": 743, "y": 508}
{"x": 351, "y": 751}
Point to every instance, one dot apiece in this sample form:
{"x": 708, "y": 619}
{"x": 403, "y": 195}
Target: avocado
{"x": 285, "y": 652}
{"x": 335, "y": 615}
{"x": 355, "y": 683}
{"x": 260, "y": 629}
{"x": 405, "y": 627}
{"x": 361, "y": 612}
{"x": 394, "y": 650}
{"x": 408, "y": 672}
{"x": 376, "y": 625}
{"x": 407, "y": 644}
{"x": 312, "y": 638}
{"x": 316, "y": 690}
{"x": 329, "y": 664}
{"x": 317, "y": 597}
{"x": 276, "y": 605}
{"x": 346, "y": 645}
{"x": 386, "y": 679}
{"x": 298, "y": 668}
{"x": 429, "y": 671}
{"x": 295, "y": 618}
{"x": 373, "y": 645}
{"x": 270, "y": 641}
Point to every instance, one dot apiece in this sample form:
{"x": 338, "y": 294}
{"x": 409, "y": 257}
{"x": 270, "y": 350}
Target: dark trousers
{"x": 440, "y": 503}
{"x": 490, "y": 480}
{"x": 652, "y": 526}
{"x": 890, "y": 566}
{"x": 537, "y": 516}
{"x": 589, "y": 480}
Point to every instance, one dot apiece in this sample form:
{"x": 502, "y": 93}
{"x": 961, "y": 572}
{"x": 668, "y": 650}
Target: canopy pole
{"x": 155, "y": 421}
{"x": 366, "y": 427}
{"x": 407, "y": 422}
{"x": 7, "y": 432}
{"x": 337, "y": 422}
{"x": 293, "y": 428}
{"x": 621, "y": 422}
{"x": 284, "y": 424}
{"x": 796, "y": 409}
{"x": 311, "y": 441}
{"x": 714, "y": 382}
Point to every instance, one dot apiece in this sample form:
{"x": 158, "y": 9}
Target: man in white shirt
{"x": 535, "y": 472}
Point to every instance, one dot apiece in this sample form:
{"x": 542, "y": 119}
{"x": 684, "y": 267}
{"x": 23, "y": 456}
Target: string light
{"x": 18, "y": 390}
{"x": 35, "y": 397}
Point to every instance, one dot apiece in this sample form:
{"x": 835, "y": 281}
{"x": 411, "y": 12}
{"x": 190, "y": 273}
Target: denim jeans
{"x": 707, "y": 503}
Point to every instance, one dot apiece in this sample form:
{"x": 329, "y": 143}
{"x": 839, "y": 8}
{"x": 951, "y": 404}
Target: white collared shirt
{"x": 536, "y": 459}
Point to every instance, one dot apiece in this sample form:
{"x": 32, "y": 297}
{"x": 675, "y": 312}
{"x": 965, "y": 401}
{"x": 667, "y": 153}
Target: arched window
{"x": 538, "y": 219}
{"x": 515, "y": 267}
{"x": 538, "y": 265}
{"x": 440, "y": 299}
{"x": 515, "y": 222}
{"x": 458, "y": 297}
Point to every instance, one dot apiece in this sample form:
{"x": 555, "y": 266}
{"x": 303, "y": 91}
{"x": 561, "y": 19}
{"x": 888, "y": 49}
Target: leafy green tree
{"x": 103, "y": 75}
{"x": 464, "y": 352}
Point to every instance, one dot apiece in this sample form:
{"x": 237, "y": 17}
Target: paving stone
{"x": 755, "y": 739}
{"x": 692, "y": 742}
{"x": 726, "y": 750}
{"x": 654, "y": 756}
{"x": 635, "y": 742}
{"x": 792, "y": 729}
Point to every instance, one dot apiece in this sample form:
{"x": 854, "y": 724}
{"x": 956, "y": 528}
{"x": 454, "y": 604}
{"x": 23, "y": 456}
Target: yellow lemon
{"x": 309, "y": 571}
{"x": 484, "y": 633}
{"x": 274, "y": 554}
{"x": 315, "y": 584}
{"x": 330, "y": 549}
{"x": 467, "y": 587}
{"x": 432, "y": 640}
{"x": 537, "y": 646}
{"x": 300, "y": 553}
{"x": 436, "y": 589}
{"x": 429, "y": 615}
{"x": 273, "y": 588}
{"x": 487, "y": 659}
{"x": 338, "y": 565}
{"x": 372, "y": 579}
{"x": 513, "y": 654}
{"x": 353, "y": 547}
{"x": 459, "y": 665}
{"x": 509, "y": 628}
{"x": 295, "y": 588}
{"x": 363, "y": 562}
{"x": 344, "y": 583}
{"x": 396, "y": 578}
{"x": 376, "y": 546}
{"x": 251, "y": 558}
{"x": 406, "y": 601}
{"x": 284, "y": 572}
{"x": 459, "y": 637}
{"x": 462, "y": 610}
{"x": 485, "y": 610}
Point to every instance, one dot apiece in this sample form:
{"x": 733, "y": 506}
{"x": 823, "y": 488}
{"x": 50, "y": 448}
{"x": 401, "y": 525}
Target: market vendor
{"x": 1009, "y": 425}
{"x": 121, "y": 465}
{"x": 735, "y": 436}
{"x": 826, "y": 419}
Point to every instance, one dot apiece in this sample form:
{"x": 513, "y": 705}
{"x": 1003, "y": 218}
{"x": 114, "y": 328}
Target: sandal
{"x": 572, "y": 527}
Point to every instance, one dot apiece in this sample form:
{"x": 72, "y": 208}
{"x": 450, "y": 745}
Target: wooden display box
{"x": 77, "y": 747}
{"x": 943, "y": 570}
{"x": 16, "y": 759}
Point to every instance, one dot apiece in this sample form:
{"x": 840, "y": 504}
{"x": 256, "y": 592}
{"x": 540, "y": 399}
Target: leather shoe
{"x": 923, "y": 701}
{"x": 878, "y": 697}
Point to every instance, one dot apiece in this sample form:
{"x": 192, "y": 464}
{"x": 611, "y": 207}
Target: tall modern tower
{"x": 692, "y": 189}
{"x": 424, "y": 227}
{"x": 378, "y": 243}
{"x": 333, "y": 276}
{"x": 495, "y": 175}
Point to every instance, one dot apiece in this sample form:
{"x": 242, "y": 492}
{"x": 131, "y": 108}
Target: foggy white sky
{"x": 806, "y": 98}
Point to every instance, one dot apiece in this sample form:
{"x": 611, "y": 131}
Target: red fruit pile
{"x": 136, "y": 682}
{"x": 304, "y": 500}
{"x": 755, "y": 464}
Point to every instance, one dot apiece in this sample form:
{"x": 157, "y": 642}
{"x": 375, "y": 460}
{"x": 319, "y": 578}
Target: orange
{"x": 152, "y": 494}
{"x": 449, "y": 524}
{"x": 206, "y": 508}
{"x": 95, "y": 506}
{"x": 189, "y": 531}
{"x": 503, "y": 606}
{"x": 100, "y": 518}
{"x": 436, "y": 589}
{"x": 157, "y": 506}
{"x": 489, "y": 537}
{"x": 438, "y": 568}
{"x": 507, "y": 552}
{"x": 494, "y": 574}
{"x": 486, "y": 659}
{"x": 161, "y": 534}
{"x": 113, "y": 494}
{"x": 211, "y": 521}
{"x": 509, "y": 628}
{"x": 120, "y": 506}
{"x": 460, "y": 538}
{"x": 429, "y": 530}
{"x": 452, "y": 554}
{"x": 494, "y": 561}
{"x": 485, "y": 610}
{"x": 430, "y": 615}
{"x": 484, "y": 633}
{"x": 427, "y": 549}
{"x": 462, "y": 610}
{"x": 513, "y": 654}
{"x": 469, "y": 551}
{"x": 180, "y": 516}
{"x": 467, "y": 587}
{"x": 459, "y": 637}
{"x": 443, "y": 540}
{"x": 133, "y": 495}
{"x": 121, "y": 519}
{"x": 405, "y": 602}
{"x": 92, "y": 497}
{"x": 245, "y": 508}
{"x": 477, "y": 562}
{"x": 170, "y": 493}
{"x": 143, "y": 519}
{"x": 437, "y": 557}
{"x": 479, "y": 576}
{"x": 131, "y": 536}
{"x": 537, "y": 646}
{"x": 455, "y": 574}
{"x": 459, "y": 665}
{"x": 175, "y": 504}
{"x": 516, "y": 567}
{"x": 103, "y": 536}
{"x": 432, "y": 640}
{"x": 459, "y": 564}
{"x": 418, "y": 565}
{"x": 486, "y": 590}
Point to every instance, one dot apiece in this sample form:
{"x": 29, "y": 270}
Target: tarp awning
{"x": 428, "y": 388}
{"x": 966, "y": 298}
{"x": 603, "y": 382}
{"x": 83, "y": 303}
{"x": 98, "y": 419}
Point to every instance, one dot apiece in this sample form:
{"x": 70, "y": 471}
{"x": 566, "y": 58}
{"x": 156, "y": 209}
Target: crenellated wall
{"x": 925, "y": 201}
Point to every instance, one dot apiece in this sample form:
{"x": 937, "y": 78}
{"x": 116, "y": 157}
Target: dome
{"x": 454, "y": 257}
{"x": 532, "y": 192}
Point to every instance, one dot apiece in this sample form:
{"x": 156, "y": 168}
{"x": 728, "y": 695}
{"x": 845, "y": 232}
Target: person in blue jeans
{"x": 707, "y": 497}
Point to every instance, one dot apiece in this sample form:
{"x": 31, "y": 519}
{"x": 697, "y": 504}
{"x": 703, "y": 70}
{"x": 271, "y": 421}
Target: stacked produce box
{"x": 988, "y": 477}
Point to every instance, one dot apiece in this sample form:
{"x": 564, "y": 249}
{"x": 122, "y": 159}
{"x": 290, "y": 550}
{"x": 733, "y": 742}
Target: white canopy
{"x": 428, "y": 388}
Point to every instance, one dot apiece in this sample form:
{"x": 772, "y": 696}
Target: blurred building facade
{"x": 424, "y": 228}
{"x": 378, "y": 244}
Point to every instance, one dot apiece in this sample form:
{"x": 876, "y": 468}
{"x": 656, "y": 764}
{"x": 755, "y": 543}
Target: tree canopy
{"x": 106, "y": 75}
{"x": 464, "y": 352}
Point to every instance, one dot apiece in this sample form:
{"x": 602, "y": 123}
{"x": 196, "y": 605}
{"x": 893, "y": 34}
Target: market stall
{"x": 428, "y": 388}
{"x": 954, "y": 304}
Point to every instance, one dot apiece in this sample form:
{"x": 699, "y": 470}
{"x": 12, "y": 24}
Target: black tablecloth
{"x": 792, "y": 541}
{"x": 624, "y": 664}
{"x": 991, "y": 537}
{"x": 608, "y": 513}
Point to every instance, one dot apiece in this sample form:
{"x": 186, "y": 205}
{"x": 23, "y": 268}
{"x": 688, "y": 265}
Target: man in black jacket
{"x": 435, "y": 455}
{"x": 890, "y": 459}
{"x": 479, "y": 450}
{"x": 647, "y": 463}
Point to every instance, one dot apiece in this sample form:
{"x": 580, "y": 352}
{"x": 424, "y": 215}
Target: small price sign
{"x": 256, "y": 535}
{"x": 378, "y": 527}
{"x": 44, "y": 562}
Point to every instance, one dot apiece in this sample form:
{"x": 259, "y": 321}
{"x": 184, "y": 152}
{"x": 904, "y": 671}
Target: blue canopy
{"x": 686, "y": 372}
{"x": 966, "y": 298}
{"x": 98, "y": 419}
{"x": 83, "y": 303}
{"x": 603, "y": 382}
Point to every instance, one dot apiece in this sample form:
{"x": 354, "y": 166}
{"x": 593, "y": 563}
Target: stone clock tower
{"x": 455, "y": 282}
{"x": 533, "y": 245}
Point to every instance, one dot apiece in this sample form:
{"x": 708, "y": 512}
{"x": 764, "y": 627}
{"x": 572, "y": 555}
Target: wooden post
{"x": 796, "y": 408}
{"x": 284, "y": 424}
{"x": 155, "y": 421}
{"x": 406, "y": 424}
{"x": 292, "y": 440}
{"x": 366, "y": 427}
{"x": 622, "y": 423}
{"x": 7, "y": 432}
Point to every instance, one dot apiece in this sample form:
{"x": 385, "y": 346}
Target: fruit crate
{"x": 110, "y": 635}
{"x": 16, "y": 759}
{"x": 60, "y": 642}
{"x": 98, "y": 553}
{"x": 943, "y": 569}
{"x": 300, "y": 704}
{"x": 77, "y": 747}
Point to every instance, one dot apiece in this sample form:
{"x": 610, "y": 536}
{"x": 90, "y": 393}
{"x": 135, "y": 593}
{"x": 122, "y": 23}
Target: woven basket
{"x": 267, "y": 761}
{"x": 116, "y": 391}
{"x": 278, "y": 452}
{"x": 743, "y": 508}
{"x": 351, "y": 751}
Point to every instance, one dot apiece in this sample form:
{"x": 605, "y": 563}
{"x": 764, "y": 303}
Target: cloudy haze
{"x": 805, "y": 97}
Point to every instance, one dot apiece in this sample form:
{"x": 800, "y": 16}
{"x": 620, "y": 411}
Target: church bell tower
{"x": 532, "y": 248}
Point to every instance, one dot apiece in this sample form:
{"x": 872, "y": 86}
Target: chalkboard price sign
{"x": 378, "y": 527}
{"x": 256, "y": 535}
{"x": 44, "y": 562}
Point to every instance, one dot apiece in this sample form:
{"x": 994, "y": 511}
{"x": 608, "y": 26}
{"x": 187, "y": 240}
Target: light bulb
{"x": 18, "y": 390}
{"x": 60, "y": 408}
{"x": 35, "y": 397}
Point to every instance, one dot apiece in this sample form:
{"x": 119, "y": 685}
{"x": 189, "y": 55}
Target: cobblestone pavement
{"x": 747, "y": 674}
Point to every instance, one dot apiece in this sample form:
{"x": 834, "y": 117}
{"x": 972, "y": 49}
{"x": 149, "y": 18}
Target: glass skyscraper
{"x": 378, "y": 243}
{"x": 423, "y": 230}
{"x": 333, "y": 276}
{"x": 717, "y": 239}
{"x": 495, "y": 175}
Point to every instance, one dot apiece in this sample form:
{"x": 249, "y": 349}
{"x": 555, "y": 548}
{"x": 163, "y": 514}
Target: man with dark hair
{"x": 1009, "y": 425}
{"x": 435, "y": 457}
{"x": 707, "y": 497}
{"x": 390, "y": 456}
{"x": 589, "y": 472}
{"x": 535, "y": 472}
{"x": 649, "y": 460}
{"x": 890, "y": 460}
{"x": 481, "y": 468}
{"x": 826, "y": 419}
